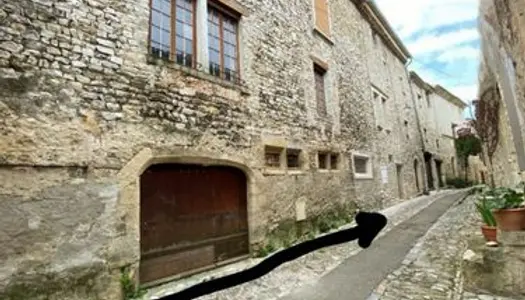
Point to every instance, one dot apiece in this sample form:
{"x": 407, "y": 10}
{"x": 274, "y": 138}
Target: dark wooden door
{"x": 416, "y": 172}
{"x": 192, "y": 218}
{"x": 439, "y": 173}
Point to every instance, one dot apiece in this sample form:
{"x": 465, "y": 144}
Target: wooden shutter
{"x": 320, "y": 90}
{"x": 321, "y": 16}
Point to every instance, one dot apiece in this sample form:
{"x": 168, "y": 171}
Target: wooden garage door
{"x": 192, "y": 218}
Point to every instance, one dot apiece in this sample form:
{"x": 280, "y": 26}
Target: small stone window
{"x": 322, "y": 159}
{"x": 328, "y": 161}
{"x": 334, "y": 161}
{"x": 272, "y": 156}
{"x": 390, "y": 158}
{"x": 320, "y": 91}
{"x": 437, "y": 144}
{"x": 293, "y": 158}
{"x": 362, "y": 166}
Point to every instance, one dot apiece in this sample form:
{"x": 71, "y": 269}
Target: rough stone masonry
{"x": 84, "y": 110}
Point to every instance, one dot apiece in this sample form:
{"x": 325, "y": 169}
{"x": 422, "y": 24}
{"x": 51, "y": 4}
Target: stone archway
{"x": 130, "y": 195}
{"x": 192, "y": 218}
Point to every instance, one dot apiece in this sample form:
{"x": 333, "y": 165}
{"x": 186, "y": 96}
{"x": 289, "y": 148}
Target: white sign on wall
{"x": 384, "y": 175}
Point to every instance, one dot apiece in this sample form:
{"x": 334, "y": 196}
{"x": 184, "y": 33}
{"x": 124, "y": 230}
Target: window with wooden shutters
{"x": 320, "y": 93}
{"x": 173, "y": 39}
{"x": 223, "y": 44}
{"x": 322, "y": 22}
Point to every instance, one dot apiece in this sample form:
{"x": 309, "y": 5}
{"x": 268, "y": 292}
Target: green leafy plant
{"x": 484, "y": 207}
{"x": 467, "y": 145}
{"x": 505, "y": 198}
{"x": 458, "y": 183}
{"x": 129, "y": 289}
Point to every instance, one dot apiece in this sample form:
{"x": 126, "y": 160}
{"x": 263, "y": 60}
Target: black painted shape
{"x": 368, "y": 227}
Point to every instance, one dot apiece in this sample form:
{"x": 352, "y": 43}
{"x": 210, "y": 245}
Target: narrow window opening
{"x": 293, "y": 158}
{"x": 320, "y": 92}
{"x": 272, "y": 156}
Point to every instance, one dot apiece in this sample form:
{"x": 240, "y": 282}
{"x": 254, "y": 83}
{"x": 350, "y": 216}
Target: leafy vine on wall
{"x": 487, "y": 119}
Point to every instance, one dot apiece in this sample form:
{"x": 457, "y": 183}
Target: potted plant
{"x": 508, "y": 209}
{"x": 488, "y": 229}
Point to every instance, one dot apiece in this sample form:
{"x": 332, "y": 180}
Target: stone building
{"x": 176, "y": 136}
{"x": 439, "y": 112}
{"x": 501, "y": 106}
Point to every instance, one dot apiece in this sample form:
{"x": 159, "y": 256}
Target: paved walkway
{"x": 303, "y": 271}
{"x": 432, "y": 269}
{"x": 355, "y": 278}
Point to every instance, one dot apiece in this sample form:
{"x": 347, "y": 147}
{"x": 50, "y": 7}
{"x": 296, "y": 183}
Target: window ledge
{"x": 363, "y": 176}
{"x": 324, "y": 36}
{"x": 274, "y": 172}
{"x": 328, "y": 171}
{"x": 296, "y": 172}
{"x": 199, "y": 74}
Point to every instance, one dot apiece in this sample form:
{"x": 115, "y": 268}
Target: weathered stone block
{"x": 37, "y": 262}
{"x": 498, "y": 270}
{"x": 512, "y": 238}
{"x": 11, "y": 46}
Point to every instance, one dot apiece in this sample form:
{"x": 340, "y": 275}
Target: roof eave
{"x": 386, "y": 25}
{"x": 450, "y": 97}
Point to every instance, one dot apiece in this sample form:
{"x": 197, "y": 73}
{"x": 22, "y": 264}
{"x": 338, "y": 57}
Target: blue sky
{"x": 443, "y": 38}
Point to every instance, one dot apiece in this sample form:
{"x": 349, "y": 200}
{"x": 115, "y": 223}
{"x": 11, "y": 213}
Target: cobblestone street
{"x": 432, "y": 269}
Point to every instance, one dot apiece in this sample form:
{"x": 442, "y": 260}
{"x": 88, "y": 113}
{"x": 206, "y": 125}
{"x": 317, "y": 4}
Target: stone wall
{"x": 397, "y": 143}
{"x": 503, "y": 65}
{"x": 84, "y": 110}
{"x": 504, "y": 162}
{"x": 436, "y": 130}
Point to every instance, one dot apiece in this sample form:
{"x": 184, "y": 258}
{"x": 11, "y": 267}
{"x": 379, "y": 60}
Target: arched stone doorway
{"x": 416, "y": 172}
{"x": 192, "y": 218}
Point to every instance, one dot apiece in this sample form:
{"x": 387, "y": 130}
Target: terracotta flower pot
{"x": 490, "y": 233}
{"x": 510, "y": 219}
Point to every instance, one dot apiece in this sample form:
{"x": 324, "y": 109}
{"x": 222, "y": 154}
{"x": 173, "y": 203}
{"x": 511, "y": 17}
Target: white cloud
{"x": 435, "y": 43}
{"x": 459, "y": 53}
{"x": 466, "y": 93}
{"x": 439, "y": 34}
{"x": 409, "y": 17}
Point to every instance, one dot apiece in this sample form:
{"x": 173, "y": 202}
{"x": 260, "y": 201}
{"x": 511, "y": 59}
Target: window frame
{"x": 222, "y": 10}
{"x": 323, "y": 71}
{"x": 173, "y": 32}
{"x": 294, "y": 151}
{"x": 336, "y": 166}
{"x": 369, "y": 171}
{"x": 268, "y": 149}
{"x": 326, "y": 162}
